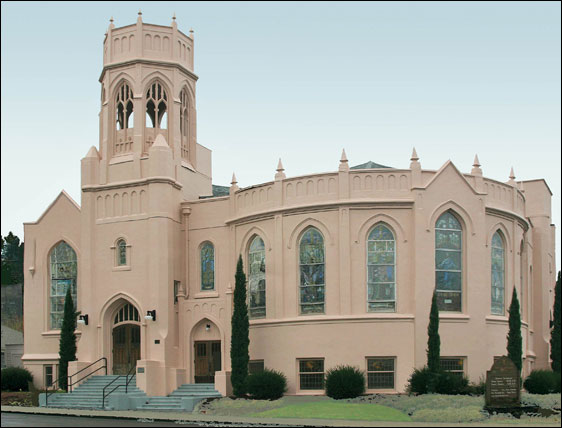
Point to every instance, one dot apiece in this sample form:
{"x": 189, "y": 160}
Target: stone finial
{"x": 191, "y": 32}
{"x": 93, "y": 153}
{"x": 111, "y": 26}
{"x": 415, "y": 156}
{"x": 512, "y": 177}
{"x": 280, "y": 171}
{"x": 234, "y": 182}
{"x": 415, "y": 166}
{"x": 139, "y": 18}
{"x": 476, "y": 170}
{"x": 174, "y": 17}
{"x": 174, "y": 25}
{"x": 344, "y": 166}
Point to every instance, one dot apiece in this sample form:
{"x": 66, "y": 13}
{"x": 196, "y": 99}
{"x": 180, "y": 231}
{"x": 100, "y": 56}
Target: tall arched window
{"x": 121, "y": 253}
{"x": 184, "y": 123}
{"x": 312, "y": 269}
{"x": 156, "y": 106}
{"x": 522, "y": 275}
{"x": 256, "y": 280}
{"x": 448, "y": 263}
{"x": 124, "y": 107}
{"x": 64, "y": 272}
{"x": 381, "y": 264}
{"x": 207, "y": 267}
{"x": 498, "y": 274}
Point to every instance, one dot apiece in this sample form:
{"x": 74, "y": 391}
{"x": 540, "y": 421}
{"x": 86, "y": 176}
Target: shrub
{"x": 266, "y": 385}
{"x": 424, "y": 381}
{"x": 344, "y": 382}
{"x": 542, "y": 382}
{"x": 477, "y": 388}
{"x": 15, "y": 379}
{"x": 450, "y": 384}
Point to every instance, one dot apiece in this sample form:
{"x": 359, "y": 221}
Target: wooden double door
{"x": 207, "y": 360}
{"x": 126, "y": 348}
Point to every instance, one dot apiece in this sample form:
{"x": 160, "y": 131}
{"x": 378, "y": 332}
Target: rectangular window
{"x": 49, "y": 376}
{"x": 380, "y": 373}
{"x": 453, "y": 364}
{"x": 256, "y": 366}
{"x": 311, "y": 374}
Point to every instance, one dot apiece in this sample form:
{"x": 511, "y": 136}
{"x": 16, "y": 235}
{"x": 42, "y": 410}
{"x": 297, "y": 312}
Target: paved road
{"x": 23, "y": 420}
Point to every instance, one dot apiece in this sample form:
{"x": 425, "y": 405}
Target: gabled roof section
{"x": 369, "y": 165}
{"x": 62, "y": 194}
{"x": 449, "y": 165}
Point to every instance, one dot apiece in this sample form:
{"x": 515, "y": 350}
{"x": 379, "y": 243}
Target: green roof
{"x": 369, "y": 165}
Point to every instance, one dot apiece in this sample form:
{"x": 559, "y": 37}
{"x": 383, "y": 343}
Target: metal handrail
{"x": 71, "y": 384}
{"x": 127, "y": 381}
{"x": 52, "y": 392}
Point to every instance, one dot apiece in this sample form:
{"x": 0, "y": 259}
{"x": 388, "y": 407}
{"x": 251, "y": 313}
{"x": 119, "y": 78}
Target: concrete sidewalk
{"x": 242, "y": 421}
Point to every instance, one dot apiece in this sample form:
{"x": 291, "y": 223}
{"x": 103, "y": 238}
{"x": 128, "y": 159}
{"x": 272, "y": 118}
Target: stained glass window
{"x": 312, "y": 268}
{"x": 521, "y": 277}
{"x": 256, "y": 280}
{"x": 448, "y": 263}
{"x": 121, "y": 253}
{"x": 498, "y": 274}
{"x": 452, "y": 365}
{"x": 63, "y": 276}
{"x": 311, "y": 374}
{"x": 380, "y": 373}
{"x": 381, "y": 281}
{"x": 127, "y": 313}
{"x": 207, "y": 267}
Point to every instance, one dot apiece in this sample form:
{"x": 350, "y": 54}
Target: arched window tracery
{"x": 184, "y": 123}
{"x": 121, "y": 252}
{"x": 256, "y": 278}
{"x": 498, "y": 274}
{"x": 381, "y": 265}
{"x": 127, "y": 313}
{"x": 207, "y": 267}
{"x": 64, "y": 274}
{"x": 448, "y": 262}
{"x": 156, "y": 106}
{"x": 312, "y": 272}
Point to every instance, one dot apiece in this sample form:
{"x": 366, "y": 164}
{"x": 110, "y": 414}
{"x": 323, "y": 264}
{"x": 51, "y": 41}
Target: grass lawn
{"x": 335, "y": 410}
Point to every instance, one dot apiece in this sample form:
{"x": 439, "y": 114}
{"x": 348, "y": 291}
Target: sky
{"x": 297, "y": 81}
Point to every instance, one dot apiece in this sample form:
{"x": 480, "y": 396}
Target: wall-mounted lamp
{"x": 208, "y": 327}
{"x": 150, "y": 315}
{"x": 83, "y": 319}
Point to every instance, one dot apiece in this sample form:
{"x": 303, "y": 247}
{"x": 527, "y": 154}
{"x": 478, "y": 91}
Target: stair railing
{"x": 71, "y": 384}
{"x": 127, "y": 381}
{"x": 69, "y": 379}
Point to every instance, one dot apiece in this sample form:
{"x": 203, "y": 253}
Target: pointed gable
{"x": 448, "y": 174}
{"x": 61, "y": 198}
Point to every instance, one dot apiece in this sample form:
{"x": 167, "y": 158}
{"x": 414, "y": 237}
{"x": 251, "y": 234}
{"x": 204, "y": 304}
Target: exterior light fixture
{"x": 208, "y": 327}
{"x": 150, "y": 315}
{"x": 83, "y": 319}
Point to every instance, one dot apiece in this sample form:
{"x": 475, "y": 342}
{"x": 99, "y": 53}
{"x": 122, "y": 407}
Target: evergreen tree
{"x": 433, "y": 340}
{"x": 12, "y": 260}
{"x": 67, "y": 345}
{"x": 514, "y": 339}
{"x": 556, "y": 329}
{"x": 240, "y": 341}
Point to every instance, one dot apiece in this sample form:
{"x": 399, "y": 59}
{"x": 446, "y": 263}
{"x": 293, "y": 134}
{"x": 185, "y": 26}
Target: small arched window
{"x": 184, "y": 123}
{"x": 156, "y": 107}
{"x": 381, "y": 263}
{"x": 207, "y": 267}
{"x": 312, "y": 272}
{"x": 64, "y": 273}
{"x": 448, "y": 263}
{"x": 498, "y": 274}
{"x": 124, "y": 107}
{"x": 121, "y": 252}
{"x": 256, "y": 280}
{"x": 127, "y": 313}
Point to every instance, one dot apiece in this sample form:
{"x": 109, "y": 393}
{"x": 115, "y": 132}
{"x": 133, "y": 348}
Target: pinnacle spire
{"x": 476, "y": 163}
{"x": 280, "y": 166}
{"x": 512, "y": 174}
{"x": 280, "y": 175}
{"x": 234, "y": 182}
{"x": 139, "y": 18}
{"x": 415, "y": 156}
{"x": 343, "y": 156}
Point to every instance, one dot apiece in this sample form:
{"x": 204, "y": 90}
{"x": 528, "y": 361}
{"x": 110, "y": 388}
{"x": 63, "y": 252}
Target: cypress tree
{"x": 514, "y": 339}
{"x": 556, "y": 329}
{"x": 240, "y": 341}
{"x": 433, "y": 340}
{"x": 67, "y": 346}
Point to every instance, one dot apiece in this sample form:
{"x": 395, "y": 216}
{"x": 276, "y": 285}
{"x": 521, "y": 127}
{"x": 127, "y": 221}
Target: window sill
{"x": 206, "y": 295}
{"x": 121, "y": 158}
{"x": 121, "y": 268}
{"x": 452, "y": 317}
{"x": 496, "y": 319}
{"x": 56, "y": 333}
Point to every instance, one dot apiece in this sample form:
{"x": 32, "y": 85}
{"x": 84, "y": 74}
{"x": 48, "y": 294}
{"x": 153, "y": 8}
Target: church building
{"x": 341, "y": 266}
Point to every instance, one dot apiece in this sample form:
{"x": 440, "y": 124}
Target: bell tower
{"x": 147, "y": 91}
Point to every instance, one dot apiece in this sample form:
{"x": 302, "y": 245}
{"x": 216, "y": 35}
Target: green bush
{"x": 424, "y": 381}
{"x": 345, "y": 382}
{"x": 266, "y": 385}
{"x": 15, "y": 379}
{"x": 477, "y": 388}
{"x": 542, "y": 382}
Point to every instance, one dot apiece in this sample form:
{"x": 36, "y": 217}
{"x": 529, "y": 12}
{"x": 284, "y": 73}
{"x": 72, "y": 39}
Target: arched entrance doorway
{"x": 207, "y": 351}
{"x": 126, "y": 338}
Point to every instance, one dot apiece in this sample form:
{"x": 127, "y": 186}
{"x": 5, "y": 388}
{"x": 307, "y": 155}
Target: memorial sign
{"x": 503, "y": 384}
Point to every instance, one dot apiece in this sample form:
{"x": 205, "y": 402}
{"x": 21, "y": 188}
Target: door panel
{"x": 126, "y": 348}
{"x": 207, "y": 361}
